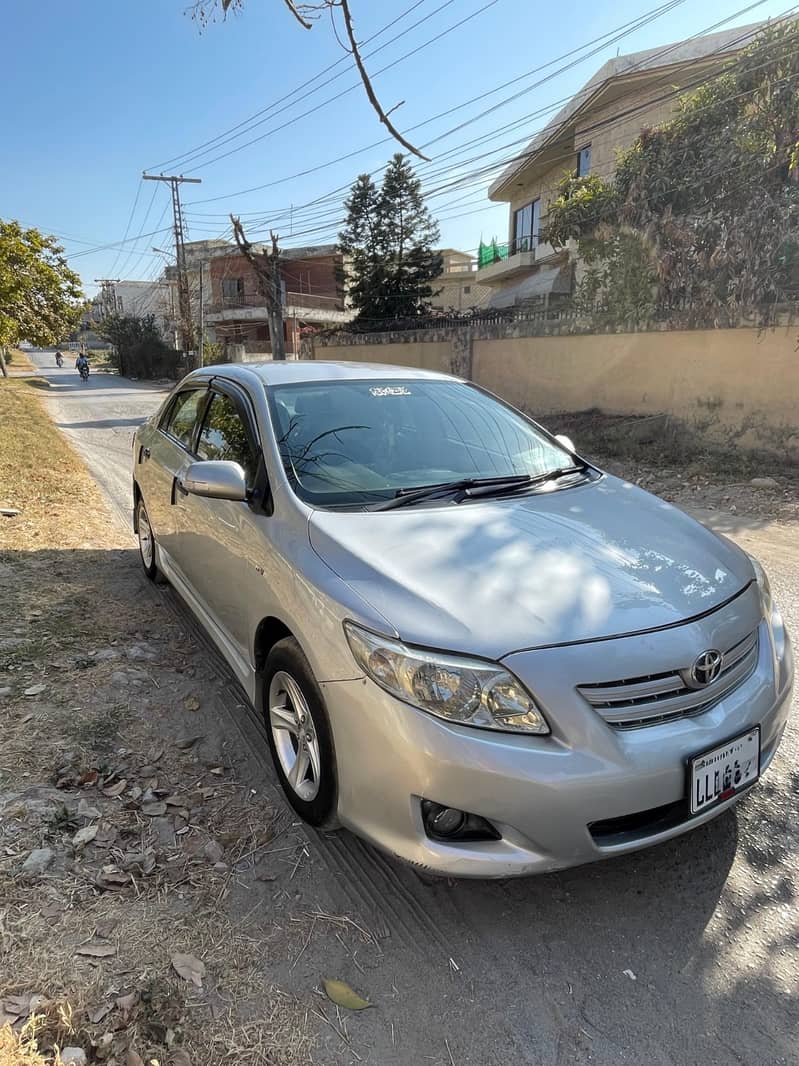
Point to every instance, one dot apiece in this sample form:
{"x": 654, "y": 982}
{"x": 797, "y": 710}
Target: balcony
{"x": 501, "y": 262}
{"x": 251, "y": 307}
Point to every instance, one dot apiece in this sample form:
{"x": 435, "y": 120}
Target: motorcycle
{"x": 84, "y": 373}
{"x": 59, "y": 359}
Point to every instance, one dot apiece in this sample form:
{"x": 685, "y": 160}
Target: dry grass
{"x": 18, "y": 1050}
{"x": 42, "y": 477}
{"x": 20, "y": 361}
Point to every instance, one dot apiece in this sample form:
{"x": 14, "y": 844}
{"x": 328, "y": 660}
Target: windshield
{"x": 351, "y": 442}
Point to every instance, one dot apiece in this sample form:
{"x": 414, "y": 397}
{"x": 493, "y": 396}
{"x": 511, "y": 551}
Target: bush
{"x": 213, "y": 354}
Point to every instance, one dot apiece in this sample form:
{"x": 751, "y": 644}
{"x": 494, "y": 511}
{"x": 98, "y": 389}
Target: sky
{"x": 97, "y": 91}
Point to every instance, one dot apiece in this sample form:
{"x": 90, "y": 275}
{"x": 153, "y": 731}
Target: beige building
{"x": 457, "y": 288}
{"x": 628, "y": 94}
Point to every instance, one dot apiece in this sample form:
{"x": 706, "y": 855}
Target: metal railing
{"x": 291, "y": 299}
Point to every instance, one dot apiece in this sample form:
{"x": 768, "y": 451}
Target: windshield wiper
{"x": 472, "y": 492}
{"x": 405, "y": 497}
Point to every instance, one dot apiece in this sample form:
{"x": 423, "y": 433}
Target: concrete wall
{"x": 735, "y": 386}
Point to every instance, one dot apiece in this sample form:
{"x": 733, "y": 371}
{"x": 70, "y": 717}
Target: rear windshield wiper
{"x": 471, "y": 492}
{"x": 405, "y": 497}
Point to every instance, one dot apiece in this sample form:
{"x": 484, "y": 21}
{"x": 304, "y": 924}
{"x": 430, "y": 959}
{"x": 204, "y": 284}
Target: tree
{"x": 703, "y": 212}
{"x": 389, "y": 236}
{"x": 306, "y": 14}
{"x": 140, "y": 348}
{"x": 40, "y": 297}
{"x": 266, "y": 267}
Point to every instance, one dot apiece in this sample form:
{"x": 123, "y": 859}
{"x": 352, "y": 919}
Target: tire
{"x": 299, "y": 738}
{"x": 146, "y": 541}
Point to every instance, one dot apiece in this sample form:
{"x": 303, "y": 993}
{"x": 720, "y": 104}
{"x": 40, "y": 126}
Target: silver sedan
{"x": 469, "y": 644}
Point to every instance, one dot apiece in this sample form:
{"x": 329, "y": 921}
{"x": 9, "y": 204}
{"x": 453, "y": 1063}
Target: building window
{"x": 467, "y": 289}
{"x": 232, "y": 288}
{"x": 526, "y": 224}
{"x": 584, "y": 161}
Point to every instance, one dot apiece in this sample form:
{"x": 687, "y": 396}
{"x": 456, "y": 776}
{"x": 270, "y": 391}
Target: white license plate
{"x": 716, "y": 775}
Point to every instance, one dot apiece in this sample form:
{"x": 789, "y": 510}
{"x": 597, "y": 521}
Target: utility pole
{"x": 184, "y": 298}
{"x": 108, "y": 294}
{"x": 202, "y": 314}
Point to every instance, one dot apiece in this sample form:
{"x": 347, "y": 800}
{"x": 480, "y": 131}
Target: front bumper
{"x": 543, "y": 794}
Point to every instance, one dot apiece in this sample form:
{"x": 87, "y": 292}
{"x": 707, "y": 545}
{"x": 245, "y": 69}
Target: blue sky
{"x": 95, "y": 91}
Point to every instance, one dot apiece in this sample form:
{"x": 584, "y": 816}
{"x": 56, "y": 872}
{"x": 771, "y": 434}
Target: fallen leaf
{"x": 115, "y": 790}
{"x": 157, "y": 755}
{"x": 85, "y": 810}
{"x": 85, "y": 836}
{"x": 19, "y": 1006}
{"x": 191, "y": 703}
{"x": 35, "y": 690}
{"x": 128, "y": 1002}
{"x": 153, "y": 809}
{"x": 187, "y": 742}
{"x": 97, "y": 951}
{"x": 340, "y": 993}
{"x": 217, "y": 771}
{"x": 105, "y": 927}
{"x": 189, "y": 968}
{"x": 132, "y": 1059}
{"x": 96, "y": 1014}
{"x": 89, "y": 777}
{"x": 180, "y": 1058}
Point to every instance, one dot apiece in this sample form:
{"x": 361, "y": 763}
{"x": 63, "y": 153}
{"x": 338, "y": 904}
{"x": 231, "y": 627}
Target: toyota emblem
{"x": 706, "y": 668}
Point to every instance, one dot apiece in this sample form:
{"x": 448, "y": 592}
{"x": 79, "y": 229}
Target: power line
{"x": 355, "y": 85}
{"x": 269, "y": 110}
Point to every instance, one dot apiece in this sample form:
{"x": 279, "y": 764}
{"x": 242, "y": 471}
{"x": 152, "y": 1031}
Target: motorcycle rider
{"x": 82, "y": 364}
{"x": 59, "y": 358}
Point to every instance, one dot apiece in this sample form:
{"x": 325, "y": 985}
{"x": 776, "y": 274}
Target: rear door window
{"x": 184, "y": 414}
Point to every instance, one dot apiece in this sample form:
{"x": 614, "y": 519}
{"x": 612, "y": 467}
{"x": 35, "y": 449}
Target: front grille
{"x": 655, "y": 698}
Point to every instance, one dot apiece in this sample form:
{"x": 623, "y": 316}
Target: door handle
{"x": 177, "y": 487}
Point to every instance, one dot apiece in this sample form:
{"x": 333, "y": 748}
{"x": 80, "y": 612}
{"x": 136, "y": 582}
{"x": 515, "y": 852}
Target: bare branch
{"x": 381, "y": 114}
{"x": 290, "y": 4}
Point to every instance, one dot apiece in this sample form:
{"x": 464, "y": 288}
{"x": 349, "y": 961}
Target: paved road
{"x": 100, "y": 417}
{"x": 687, "y": 953}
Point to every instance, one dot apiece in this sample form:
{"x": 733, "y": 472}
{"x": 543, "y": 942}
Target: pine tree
{"x": 389, "y": 237}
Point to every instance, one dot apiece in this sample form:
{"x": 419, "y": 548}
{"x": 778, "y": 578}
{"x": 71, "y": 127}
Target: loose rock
{"x": 37, "y": 862}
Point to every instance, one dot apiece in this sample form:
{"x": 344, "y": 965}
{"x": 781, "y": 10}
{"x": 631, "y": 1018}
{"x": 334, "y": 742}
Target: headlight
{"x": 763, "y": 585}
{"x": 467, "y": 691}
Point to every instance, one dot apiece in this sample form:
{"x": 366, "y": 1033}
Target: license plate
{"x": 718, "y": 774}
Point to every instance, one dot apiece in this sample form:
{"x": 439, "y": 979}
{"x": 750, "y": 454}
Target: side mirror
{"x": 218, "y": 479}
{"x": 567, "y": 443}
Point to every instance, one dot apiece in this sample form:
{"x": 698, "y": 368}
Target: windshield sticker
{"x": 389, "y": 390}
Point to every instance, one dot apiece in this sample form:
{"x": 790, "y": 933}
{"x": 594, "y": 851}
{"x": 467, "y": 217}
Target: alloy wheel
{"x": 145, "y": 538}
{"x": 294, "y": 736}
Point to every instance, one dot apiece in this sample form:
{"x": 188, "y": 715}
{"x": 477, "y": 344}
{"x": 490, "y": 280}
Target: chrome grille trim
{"x": 663, "y": 697}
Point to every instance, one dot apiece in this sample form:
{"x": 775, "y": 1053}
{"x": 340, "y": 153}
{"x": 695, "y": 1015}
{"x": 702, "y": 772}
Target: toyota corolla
{"x": 469, "y": 644}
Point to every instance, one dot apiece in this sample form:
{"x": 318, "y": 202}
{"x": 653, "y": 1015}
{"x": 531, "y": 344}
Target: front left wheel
{"x": 299, "y": 733}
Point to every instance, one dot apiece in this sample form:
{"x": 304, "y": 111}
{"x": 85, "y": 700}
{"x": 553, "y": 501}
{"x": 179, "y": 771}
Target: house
{"x": 626, "y": 95}
{"x": 312, "y": 283}
{"x": 456, "y": 288}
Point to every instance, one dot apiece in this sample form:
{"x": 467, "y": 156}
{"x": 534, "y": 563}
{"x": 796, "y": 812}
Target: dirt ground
{"x": 666, "y": 460}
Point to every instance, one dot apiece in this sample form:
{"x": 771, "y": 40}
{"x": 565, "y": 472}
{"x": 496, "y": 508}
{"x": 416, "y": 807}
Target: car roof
{"x": 311, "y": 370}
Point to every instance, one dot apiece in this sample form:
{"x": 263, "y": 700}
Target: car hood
{"x": 495, "y": 576}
